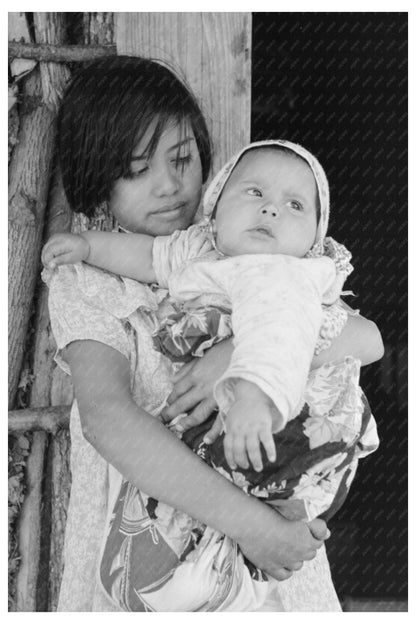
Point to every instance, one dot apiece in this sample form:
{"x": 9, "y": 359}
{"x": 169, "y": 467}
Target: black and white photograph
{"x": 208, "y": 311}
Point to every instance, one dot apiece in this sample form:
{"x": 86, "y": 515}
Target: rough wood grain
{"x": 60, "y": 485}
{"x": 59, "y": 54}
{"x": 51, "y": 386}
{"x": 213, "y": 52}
{"x": 30, "y": 527}
{"x": 29, "y": 182}
{"x": 98, "y": 29}
{"x": 47, "y": 419}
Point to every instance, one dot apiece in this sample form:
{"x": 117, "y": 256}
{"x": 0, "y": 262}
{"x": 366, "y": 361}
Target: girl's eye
{"x": 138, "y": 171}
{"x": 254, "y": 192}
{"x": 296, "y": 205}
{"x": 180, "y": 162}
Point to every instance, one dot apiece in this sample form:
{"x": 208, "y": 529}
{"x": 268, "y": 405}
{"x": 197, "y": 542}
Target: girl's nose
{"x": 167, "y": 182}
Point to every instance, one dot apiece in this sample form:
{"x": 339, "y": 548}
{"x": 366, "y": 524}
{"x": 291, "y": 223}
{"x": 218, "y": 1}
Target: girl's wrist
{"x": 87, "y": 246}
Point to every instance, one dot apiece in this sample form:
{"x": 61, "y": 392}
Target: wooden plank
{"x": 30, "y": 527}
{"x": 61, "y": 53}
{"x": 29, "y": 182}
{"x": 60, "y": 483}
{"x": 97, "y": 30}
{"x": 48, "y": 419}
{"x": 51, "y": 386}
{"x": 213, "y": 52}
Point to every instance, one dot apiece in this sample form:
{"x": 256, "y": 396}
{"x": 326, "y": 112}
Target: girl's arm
{"x": 129, "y": 255}
{"x": 194, "y": 383}
{"x": 154, "y": 460}
{"x": 360, "y": 338}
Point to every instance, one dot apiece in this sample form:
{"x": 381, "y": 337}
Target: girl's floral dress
{"x": 317, "y": 456}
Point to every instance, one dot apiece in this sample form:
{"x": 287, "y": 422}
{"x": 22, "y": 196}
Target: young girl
{"x": 272, "y": 198}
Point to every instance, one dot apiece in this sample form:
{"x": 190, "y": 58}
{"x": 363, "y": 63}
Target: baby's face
{"x": 268, "y": 206}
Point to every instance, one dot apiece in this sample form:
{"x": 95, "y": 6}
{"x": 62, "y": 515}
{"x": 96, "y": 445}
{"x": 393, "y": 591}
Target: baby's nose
{"x": 269, "y": 210}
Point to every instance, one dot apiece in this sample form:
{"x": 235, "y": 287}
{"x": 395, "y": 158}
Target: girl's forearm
{"x": 159, "y": 464}
{"x": 129, "y": 255}
{"x": 141, "y": 448}
{"x": 152, "y": 458}
{"x": 359, "y": 338}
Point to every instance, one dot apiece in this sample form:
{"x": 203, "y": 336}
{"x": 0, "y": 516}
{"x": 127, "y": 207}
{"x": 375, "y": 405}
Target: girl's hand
{"x": 193, "y": 386}
{"x": 65, "y": 248}
{"x": 280, "y": 546}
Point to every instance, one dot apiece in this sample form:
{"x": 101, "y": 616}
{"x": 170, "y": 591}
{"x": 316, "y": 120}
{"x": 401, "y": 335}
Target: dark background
{"x": 337, "y": 84}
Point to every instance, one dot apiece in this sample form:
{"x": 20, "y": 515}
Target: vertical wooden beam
{"x": 60, "y": 482}
{"x": 54, "y": 387}
{"x": 30, "y": 527}
{"x": 29, "y": 182}
{"x": 213, "y": 52}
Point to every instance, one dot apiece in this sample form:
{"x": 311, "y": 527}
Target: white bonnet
{"x": 216, "y": 186}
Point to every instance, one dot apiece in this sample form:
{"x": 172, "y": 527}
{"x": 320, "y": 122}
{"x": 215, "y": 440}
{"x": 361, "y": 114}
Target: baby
{"x": 258, "y": 268}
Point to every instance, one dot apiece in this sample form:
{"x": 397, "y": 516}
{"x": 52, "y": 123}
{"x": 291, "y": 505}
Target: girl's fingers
{"x": 184, "y": 403}
{"x": 183, "y": 372}
{"x": 266, "y": 438}
{"x": 199, "y": 415}
{"x": 214, "y": 432}
{"x": 297, "y": 565}
{"x": 180, "y": 388}
{"x": 282, "y": 574}
{"x": 254, "y": 452}
{"x": 319, "y": 529}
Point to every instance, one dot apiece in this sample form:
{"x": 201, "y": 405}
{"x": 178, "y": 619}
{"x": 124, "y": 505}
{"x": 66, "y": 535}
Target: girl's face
{"x": 162, "y": 193}
{"x": 268, "y": 206}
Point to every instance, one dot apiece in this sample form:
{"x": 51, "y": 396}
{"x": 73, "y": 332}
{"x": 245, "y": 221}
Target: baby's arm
{"x": 129, "y": 255}
{"x": 276, "y": 315}
{"x": 249, "y": 423}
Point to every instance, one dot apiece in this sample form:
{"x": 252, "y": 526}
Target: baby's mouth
{"x": 264, "y": 230}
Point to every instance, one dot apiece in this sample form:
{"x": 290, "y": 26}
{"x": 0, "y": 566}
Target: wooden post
{"x": 29, "y": 182}
{"x": 30, "y": 527}
{"x": 213, "y": 52}
{"x": 51, "y": 385}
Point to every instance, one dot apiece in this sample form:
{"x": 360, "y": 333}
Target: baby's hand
{"x": 65, "y": 248}
{"x": 248, "y": 425}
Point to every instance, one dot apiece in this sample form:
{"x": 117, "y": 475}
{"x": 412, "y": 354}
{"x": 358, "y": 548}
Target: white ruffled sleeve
{"x": 86, "y": 303}
{"x": 276, "y": 316}
{"x": 171, "y": 252}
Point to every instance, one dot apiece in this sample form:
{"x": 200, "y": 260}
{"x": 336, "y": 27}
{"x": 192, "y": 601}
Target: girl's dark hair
{"x": 106, "y": 110}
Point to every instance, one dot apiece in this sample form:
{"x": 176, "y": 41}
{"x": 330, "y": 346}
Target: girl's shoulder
{"x": 80, "y": 284}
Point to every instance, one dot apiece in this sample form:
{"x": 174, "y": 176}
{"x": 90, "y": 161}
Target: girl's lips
{"x": 170, "y": 208}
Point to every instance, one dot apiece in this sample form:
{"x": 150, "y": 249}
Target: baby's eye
{"x": 254, "y": 192}
{"x": 296, "y": 205}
